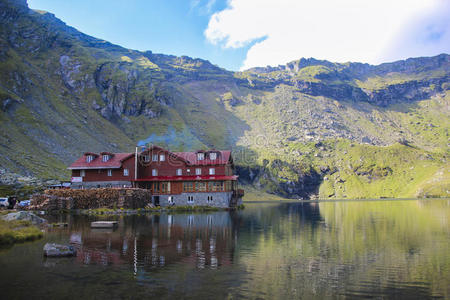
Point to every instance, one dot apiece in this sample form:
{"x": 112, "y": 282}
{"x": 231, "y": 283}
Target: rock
{"x": 58, "y": 250}
{"x": 150, "y": 113}
{"x": 366, "y": 140}
{"x": 95, "y": 106}
{"x": 7, "y": 104}
{"x": 26, "y": 216}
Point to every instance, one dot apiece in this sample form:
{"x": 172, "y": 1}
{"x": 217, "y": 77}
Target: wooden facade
{"x": 163, "y": 172}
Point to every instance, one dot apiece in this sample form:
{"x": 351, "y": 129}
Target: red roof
{"x": 115, "y": 161}
{"x": 187, "y": 178}
{"x": 223, "y": 157}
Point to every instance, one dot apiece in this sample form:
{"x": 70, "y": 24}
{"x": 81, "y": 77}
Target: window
{"x": 190, "y": 199}
{"x": 145, "y": 158}
{"x": 212, "y": 171}
{"x": 89, "y": 158}
{"x": 82, "y": 173}
{"x": 200, "y": 186}
{"x": 228, "y": 185}
{"x": 154, "y": 172}
{"x": 188, "y": 186}
{"x": 198, "y": 171}
{"x": 200, "y": 156}
{"x": 179, "y": 172}
{"x": 170, "y": 200}
{"x": 109, "y": 172}
{"x": 125, "y": 172}
{"x": 210, "y": 198}
{"x": 155, "y": 187}
{"x": 165, "y": 187}
{"x": 162, "y": 157}
{"x": 105, "y": 158}
{"x": 217, "y": 186}
{"x": 155, "y": 157}
{"x": 213, "y": 156}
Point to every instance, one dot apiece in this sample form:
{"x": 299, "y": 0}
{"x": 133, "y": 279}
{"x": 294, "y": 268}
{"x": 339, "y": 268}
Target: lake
{"x": 269, "y": 250}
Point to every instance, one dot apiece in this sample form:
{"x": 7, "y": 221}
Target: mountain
{"x": 304, "y": 129}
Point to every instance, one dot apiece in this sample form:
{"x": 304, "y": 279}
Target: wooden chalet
{"x": 175, "y": 178}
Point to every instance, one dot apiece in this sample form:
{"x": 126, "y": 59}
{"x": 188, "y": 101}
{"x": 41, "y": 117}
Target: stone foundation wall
{"x": 199, "y": 199}
{"x": 91, "y": 198}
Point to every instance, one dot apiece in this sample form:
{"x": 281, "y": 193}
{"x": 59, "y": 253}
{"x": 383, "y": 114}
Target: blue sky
{"x": 170, "y": 27}
{"x": 239, "y": 34}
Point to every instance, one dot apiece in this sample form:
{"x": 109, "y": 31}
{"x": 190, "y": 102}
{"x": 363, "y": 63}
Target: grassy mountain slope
{"x": 307, "y": 128}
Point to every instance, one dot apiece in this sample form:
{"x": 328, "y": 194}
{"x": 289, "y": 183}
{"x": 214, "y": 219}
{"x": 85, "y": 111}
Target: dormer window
{"x": 145, "y": 158}
{"x": 89, "y": 158}
{"x": 162, "y": 157}
{"x": 105, "y": 157}
{"x": 200, "y": 156}
{"x": 155, "y": 157}
{"x": 213, "y": 156}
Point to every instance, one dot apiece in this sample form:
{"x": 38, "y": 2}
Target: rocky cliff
{"x": 63, "y": 92}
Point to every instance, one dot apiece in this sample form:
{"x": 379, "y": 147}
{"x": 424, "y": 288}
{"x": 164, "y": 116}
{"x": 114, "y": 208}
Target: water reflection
{"x": 154, "y": 241}
{"x": 269, "y": 250}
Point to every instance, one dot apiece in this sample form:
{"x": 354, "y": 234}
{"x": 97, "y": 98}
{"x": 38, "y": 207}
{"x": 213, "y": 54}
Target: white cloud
{"x": 204, "y": 7}
{"x": 344, "y": 30}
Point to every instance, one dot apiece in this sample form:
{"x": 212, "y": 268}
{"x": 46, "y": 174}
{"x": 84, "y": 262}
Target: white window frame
{"x": 212, "y": 171}
{"x": 162, "y": 157}
{"x": 89, "y": 158}
{"x": 179, "y": 172}
{"x": 109, "y": 172}
{"x": 105, "y": 158}
{"x": 154, "y": 172}
{"x": 213, "y": 156}
{"x": 198, "y": 171}
{"x": 190, "y": 199}
{"x": 200, "y": 156}
{"x": 170, "y": 199}
{"x": 82, "y": 173}
{"x": 154, "y": 157}
{"x": 126, "y": 172}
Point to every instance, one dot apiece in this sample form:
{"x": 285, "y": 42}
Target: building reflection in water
{"x": 155, "y": 241}
{"x": 204, "y": 240}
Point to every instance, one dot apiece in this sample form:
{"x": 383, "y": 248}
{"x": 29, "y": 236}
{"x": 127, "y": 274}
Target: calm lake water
{"x": 347, "y": 249}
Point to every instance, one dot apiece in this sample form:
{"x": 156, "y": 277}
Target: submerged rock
{"x": 58, "y": 250}
{"x": 24, "y": 215}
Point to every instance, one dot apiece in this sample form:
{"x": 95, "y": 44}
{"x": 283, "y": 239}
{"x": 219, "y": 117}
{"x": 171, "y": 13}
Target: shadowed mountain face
{"x": 304, "y": 128}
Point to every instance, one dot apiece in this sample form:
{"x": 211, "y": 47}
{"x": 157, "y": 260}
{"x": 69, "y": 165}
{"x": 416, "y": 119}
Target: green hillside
{"x": 309, "y": 128}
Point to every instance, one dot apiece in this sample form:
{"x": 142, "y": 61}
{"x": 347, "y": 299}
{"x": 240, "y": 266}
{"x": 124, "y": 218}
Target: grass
{"x": 253, "y": 194}
{"x": 18, "y": 232}
{"x": 278, "y": 123}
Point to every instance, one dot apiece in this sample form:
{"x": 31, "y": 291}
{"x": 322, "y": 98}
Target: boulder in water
{"x": 58, "y": 250}
{"x": 24, "y": 215}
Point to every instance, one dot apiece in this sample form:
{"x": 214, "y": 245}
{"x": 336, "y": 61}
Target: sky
{"x": 241, "y": 34}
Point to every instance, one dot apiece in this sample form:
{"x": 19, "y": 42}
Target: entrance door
{"x": 156, "y": 200}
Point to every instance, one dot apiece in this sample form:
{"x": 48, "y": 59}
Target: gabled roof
{"x": 115, "y": 162}
{"x": 223, "y": 157}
